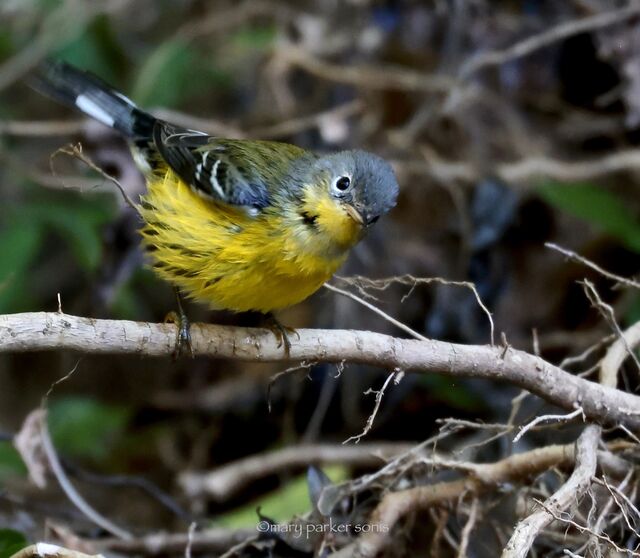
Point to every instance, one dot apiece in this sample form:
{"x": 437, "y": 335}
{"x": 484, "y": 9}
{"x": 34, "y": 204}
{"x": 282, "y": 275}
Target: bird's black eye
{"x": 342, "y": 184}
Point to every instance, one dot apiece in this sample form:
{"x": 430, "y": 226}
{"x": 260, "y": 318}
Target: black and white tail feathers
{"x": 95, "y": 98}
{"x": 206, "y": 165}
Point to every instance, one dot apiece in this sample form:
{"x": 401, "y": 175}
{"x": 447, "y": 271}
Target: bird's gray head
{"x": 362, "y": 181}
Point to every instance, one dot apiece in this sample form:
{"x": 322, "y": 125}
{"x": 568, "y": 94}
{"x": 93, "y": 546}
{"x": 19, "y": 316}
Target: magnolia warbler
{"x": 238, "y": 224}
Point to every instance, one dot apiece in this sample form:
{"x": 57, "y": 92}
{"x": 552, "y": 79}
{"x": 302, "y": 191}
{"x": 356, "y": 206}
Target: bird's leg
{"x": 183, "y": 335}
{"x": 281, "y": 332}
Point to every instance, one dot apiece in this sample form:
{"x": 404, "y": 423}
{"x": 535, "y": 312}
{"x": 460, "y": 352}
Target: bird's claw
{"x": 183, "y": 333}
{"x": 282, "y": 333}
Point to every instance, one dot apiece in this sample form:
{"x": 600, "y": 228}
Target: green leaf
{"x": 83, "y": 427}
{"x": 633, "y": 313}
{"x": 597, "y": 206}
{"x": 11, "y": 542}
{"x": 79, "y": 219}
{"x": 165, "y": 76}
{"x": 94, "y": 49}
{"x": 126, "y": 304}
{"x": 259, "y": 38}
{"x": 19, "y": 246}
{"x": 11, "y": 464}
{"x": 174, "y": 72}
{"x": 6, "y": 45}
{"x": 290, "y": 500}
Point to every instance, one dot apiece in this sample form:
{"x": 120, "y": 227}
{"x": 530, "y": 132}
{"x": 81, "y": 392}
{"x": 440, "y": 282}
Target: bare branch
{"x": 482, "y": 478}
{"x": 372, "y": 77}
{"x": 225, "y": 482}
{"x": 468, "y": 527}
{"x": 609, "y": 315}
{"x": 69, "y": 489}
{"x": 548, "y": 37}
{"x": 617, "y": 492}
{"x": 526, "y": 171}
{"x": 46, "y": 550}
{"x": 42, "y": 128}
{"x": 40, "y": 331}
{"x": 527, "y": 530}
{"x": 617, "y": 353}
{"x": 571, "y": 491}
{"x": 559, "y": 516}
{"x": 213, "y": 540}
{"x": 190, "y": 533}
{"x": 301, "y": 123}
{"x": 548, "y": 418}
{"x": 239, "y": 13}
{"x": 601, "y": 521}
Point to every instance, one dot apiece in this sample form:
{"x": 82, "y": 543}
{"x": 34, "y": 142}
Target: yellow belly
{"x": 225, "y": 257}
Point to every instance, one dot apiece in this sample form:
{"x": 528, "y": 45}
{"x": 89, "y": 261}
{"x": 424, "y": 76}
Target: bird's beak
{"x": 355, "y": 215}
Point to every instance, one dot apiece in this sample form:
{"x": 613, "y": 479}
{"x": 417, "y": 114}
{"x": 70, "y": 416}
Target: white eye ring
{"x": 341, "y": 184}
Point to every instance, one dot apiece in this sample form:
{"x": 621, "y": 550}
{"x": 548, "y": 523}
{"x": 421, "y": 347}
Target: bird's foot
{"x": 183, "y": 333}
{"x": 281, "y": 331}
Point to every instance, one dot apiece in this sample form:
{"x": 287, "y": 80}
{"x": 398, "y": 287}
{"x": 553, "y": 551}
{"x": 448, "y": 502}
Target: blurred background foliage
{"x": 324, "y": 75}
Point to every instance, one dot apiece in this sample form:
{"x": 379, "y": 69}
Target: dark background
{"x": 474, "y": 152}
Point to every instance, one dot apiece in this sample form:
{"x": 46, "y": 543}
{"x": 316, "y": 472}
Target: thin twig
{"x": 569, "y": 361}
{"x": 275, "y": 377}
{"x": 141, "y": 483}
{"x": 190, "y": 533}
{"x": 609, "y": 315}
{"x": 370, "y": 77}
{"x": 377, "y": 310}
{"x": 239, "y": 13}
{"x": 395, "y": 375}
{"x": 548, "y": 418}
{"x": 382, "y": 284}
{"x": 604, "y": 512}
{"x": 573, "y": 256}
{"x": 467, "y": 529}
{"x": 76, "y": 152}
{"x": 546, "y": 38}
{"x": 615, "y": 493}
{"x": 559, "y": 516}
{"x": 526, "y": 172}
{"x": 68, "y": 488}
{"x": 42, "y": 128}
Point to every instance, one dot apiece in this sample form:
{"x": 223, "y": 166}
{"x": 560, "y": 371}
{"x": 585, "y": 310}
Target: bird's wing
{"x": 237, "y": 172}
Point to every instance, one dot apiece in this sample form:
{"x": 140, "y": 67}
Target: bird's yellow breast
{"x": 230, "y": 259}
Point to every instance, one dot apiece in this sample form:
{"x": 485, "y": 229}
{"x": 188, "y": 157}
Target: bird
{"x": 237, "y": 224}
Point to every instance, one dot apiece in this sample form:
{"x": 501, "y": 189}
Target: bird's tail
{"x": 92, "y": 96}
